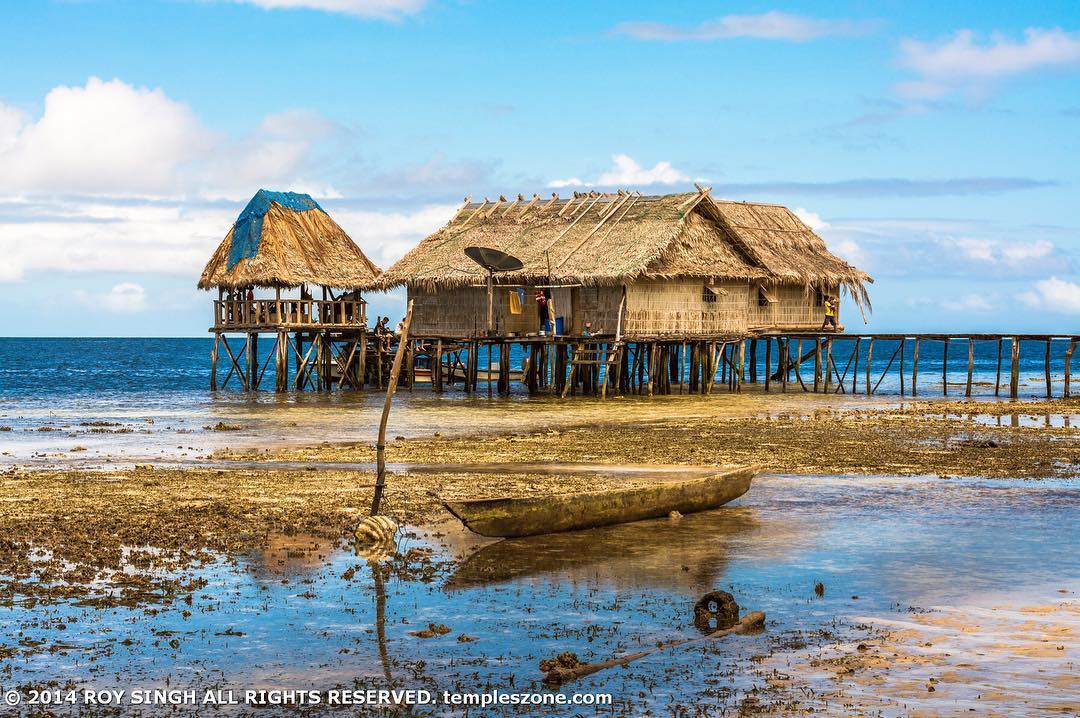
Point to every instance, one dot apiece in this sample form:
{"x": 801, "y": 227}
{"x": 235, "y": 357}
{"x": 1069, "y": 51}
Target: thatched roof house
{"x": 691, "y": 264}
{"x": 285, "y": 239}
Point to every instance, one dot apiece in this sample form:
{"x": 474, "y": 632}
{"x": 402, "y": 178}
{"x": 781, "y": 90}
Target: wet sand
{"x": 152, "y": 539}
{"x": 938, "y": 438}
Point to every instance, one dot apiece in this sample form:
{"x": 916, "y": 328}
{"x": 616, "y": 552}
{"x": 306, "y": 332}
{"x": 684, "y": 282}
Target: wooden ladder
{"x": 607, "y": 356}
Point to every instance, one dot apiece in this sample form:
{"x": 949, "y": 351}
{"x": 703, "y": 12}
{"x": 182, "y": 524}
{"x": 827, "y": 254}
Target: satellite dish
{"x": 493, "y": 260}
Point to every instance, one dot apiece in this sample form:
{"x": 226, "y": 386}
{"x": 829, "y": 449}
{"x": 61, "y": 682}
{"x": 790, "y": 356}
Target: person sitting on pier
{"x": 830, "y": 313}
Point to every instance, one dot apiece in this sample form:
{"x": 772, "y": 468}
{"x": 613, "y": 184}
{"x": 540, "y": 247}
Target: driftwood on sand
{"x": 559, "y": 674}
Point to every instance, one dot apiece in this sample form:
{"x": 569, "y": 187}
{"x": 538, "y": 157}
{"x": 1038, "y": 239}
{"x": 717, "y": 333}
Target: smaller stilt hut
{"x": 287, "y": 243}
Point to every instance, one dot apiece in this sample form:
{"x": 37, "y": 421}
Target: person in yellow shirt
{"x": 830, "y": 313}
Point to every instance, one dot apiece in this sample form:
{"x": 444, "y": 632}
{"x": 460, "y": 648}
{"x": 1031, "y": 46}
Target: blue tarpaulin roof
{"x": 247, "y": 232}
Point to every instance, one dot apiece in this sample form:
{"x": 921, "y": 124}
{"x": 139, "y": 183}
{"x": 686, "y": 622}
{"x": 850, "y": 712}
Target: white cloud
{"x": 109, "y": 138}
{"x": 1027, "y": 251}
{"x": 379, "y": 9}
{"x": 968, "y": 303}
{"x": 811, "y": 219}
{"x": 766, "y": 26}
{"x": 98, "y": 235}
{"x": 627, "y": 172}
{"x": 174, "y": 238}
{"x": 385, "y": 237}
{"x": 963, "y": 63}
{"x": 123, "y": 298}
{"x": 1054, "y": 295}
{"x": 994, "y": 251}
{"x": 104, "y": 138}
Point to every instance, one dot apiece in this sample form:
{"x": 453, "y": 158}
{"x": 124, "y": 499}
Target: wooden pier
{"x": 325, "y": 354}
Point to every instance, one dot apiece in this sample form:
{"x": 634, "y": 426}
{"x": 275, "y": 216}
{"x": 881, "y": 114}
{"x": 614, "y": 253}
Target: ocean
{"x": 86, "y": 400}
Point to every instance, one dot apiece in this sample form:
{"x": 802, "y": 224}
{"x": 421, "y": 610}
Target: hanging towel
{"x": 515, "y": 302}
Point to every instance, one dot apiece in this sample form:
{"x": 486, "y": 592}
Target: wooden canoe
{"x": 514, "y": 517}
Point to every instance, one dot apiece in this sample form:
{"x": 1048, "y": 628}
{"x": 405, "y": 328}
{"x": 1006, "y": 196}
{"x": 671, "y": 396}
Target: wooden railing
{"x": 289, "y": 312}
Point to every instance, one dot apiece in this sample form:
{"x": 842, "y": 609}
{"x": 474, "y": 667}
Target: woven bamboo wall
{"x": 794, "y": 307}
{"x": 678, "y": 307}
{"x": 653, "y": 309}
{"x": 463, "y": 312}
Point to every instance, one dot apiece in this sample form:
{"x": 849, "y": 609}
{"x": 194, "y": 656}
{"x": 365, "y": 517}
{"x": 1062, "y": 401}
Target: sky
{"x": 934, "y": 145}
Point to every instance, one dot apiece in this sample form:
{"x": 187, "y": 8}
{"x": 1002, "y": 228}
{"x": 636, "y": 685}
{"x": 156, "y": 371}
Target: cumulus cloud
{"x": 1054, "y": 295}
{"x": 378, "y": 9}
{"x": 965, "y": 63}
{"x": 110, "y": 138}
{"x": 766, "y": 26}
{"x": 627, "y": 172}
{"x": 123, "y": 298}
{"x": 103, "y": 138}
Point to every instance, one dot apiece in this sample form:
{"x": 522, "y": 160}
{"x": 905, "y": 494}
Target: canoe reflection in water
{"x": 649, "y": 553}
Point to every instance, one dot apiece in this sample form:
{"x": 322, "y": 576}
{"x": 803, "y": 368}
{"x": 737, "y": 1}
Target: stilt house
{"x": 645, "y": 267}
{"x": 287, "y": 243}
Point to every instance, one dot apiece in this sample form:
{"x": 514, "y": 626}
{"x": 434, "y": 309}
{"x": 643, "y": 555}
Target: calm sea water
{"x": 44, "y": 369}
{"x": 85, "y": 400}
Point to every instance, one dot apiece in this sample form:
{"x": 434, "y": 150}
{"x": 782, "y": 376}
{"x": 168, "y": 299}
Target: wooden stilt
{"x": 753, "y": 359}
{"x": 903, "y": 343}
{"x": 828, "y": 364}
{"x": 945, "y": 366}
{"x": 869, "y": 361}
{"x": 782, "y": 345}
{"x": 281, "y": 368}
{"x": 768, "y": 361}
{"x": 1067, "y": 391}
{"x": 742, "y": 365}
{"x": 997, "y": 381}
{"x": 798, "y": 363}
{"x": 817, "y": 364}
{"x": 213, "y": 361}
{"x": 1014, "y": 379}
{"x": 855, "y": 369}
{"x": 970, "y": 365}
{"x": 1046, "y": 369}
{"x": 915, "y": 369}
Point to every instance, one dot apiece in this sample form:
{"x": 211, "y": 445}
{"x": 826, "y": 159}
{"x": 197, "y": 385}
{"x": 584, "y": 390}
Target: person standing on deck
{"x": 542, "y": 308}
{"x": 830, "y": 313}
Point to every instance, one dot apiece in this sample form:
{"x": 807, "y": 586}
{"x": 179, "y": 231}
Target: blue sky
{"x": 935, "y": 145}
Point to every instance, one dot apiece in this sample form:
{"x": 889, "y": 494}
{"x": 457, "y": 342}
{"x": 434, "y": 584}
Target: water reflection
{"x": 684, "y": 555}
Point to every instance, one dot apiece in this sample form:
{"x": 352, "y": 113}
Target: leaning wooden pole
{"x": 380, "y": 446}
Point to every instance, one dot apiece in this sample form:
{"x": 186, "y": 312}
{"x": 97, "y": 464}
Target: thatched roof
{"x": 284, "y": 239}
{"x": 603, "y": 239}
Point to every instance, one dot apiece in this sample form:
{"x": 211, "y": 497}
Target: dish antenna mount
{"x": 493, "y": 261}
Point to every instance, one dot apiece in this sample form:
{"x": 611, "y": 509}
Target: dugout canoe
{"x": 532, "y": 516}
